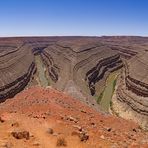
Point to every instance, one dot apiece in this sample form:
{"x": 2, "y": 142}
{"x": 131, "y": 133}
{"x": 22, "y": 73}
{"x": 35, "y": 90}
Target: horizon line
{"x": 23, "y": 36}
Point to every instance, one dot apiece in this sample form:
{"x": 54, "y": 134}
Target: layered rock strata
{"x": 131, "y": 97}
{"x": 16, "y": 69}
{"x": 79, "y": 66}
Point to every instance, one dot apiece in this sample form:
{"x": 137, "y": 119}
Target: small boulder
{"x": 102, "y": 137}
{"x": 70, "y": 118}
{"x": 83, "y": 111}
{"x": 109, "y": 129}
{"x": 134, "y": 130}
{"x": 2, "y": 120}
{"x": 15, "y": 124}
{"x": 50, "y": 131}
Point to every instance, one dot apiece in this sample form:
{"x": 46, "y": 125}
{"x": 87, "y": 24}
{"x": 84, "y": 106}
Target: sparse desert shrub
{"x": 61, "y": 141}
{"x": 21, "y": 135}
{"x": 83, "y": 136}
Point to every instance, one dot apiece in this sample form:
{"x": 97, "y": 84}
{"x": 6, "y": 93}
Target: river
{"x": 108, "y": 91}
{"x": 41, "y": 71}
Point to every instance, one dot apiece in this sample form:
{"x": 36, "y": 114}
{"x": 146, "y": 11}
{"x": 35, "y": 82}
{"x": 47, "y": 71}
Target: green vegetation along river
{"x": 41, "y": 72}
{"x": 105, "y": 97}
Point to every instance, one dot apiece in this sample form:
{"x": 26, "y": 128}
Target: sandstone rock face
{"x": 79, "y": 66}
{"x": 16, "y": 68}
{"x": 131, "y": 98}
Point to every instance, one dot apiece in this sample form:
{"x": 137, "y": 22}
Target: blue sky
{"x": 73, "y": 17}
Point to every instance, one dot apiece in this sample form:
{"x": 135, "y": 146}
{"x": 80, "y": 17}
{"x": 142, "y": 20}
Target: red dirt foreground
{"x": 47, "y": 118}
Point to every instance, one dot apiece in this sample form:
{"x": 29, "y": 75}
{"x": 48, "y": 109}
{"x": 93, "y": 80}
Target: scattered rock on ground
{"x": 21, "y": 135}
{"x": 70, "y": 118}
{"x": 84, "y": 136}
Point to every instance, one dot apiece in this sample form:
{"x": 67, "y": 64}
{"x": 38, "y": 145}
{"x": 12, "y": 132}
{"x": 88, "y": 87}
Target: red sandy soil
{"x": 38, "y": 109}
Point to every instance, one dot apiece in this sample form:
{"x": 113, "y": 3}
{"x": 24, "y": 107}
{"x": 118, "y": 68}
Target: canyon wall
{"x": 80, "y": 66}
{"x": 16, "y": 68}
{"x": 131, "y": 97}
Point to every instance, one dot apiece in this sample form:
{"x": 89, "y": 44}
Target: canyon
{"x": 94, "y": 70}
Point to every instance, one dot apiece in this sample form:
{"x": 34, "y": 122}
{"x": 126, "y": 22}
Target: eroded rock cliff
{"x": 131, "y": 97}
{"x": 79, "y": 66}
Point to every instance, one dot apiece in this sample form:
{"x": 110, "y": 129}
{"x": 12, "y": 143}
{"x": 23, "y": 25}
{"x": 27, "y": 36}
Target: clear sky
{"x": 73, "y": 17}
